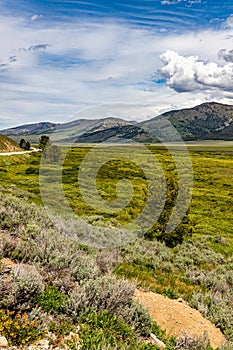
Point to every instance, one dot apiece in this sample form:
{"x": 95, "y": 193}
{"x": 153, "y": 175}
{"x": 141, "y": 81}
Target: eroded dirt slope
{"x": 177, "y": 317}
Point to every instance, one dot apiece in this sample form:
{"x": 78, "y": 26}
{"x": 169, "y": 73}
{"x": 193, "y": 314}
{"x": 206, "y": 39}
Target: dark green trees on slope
{"x": 43, "y": 142}
{"x": 159, "y": 230}
{"x": 25, "y": 145}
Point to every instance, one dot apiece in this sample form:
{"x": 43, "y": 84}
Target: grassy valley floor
{"x": 199, "y": 270}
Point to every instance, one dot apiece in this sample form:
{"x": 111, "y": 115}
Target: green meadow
{"x": 196, "y": 270}
{"x": 210, "y": 208}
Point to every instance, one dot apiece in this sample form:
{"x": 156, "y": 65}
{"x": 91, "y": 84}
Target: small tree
{"x": 182, "y": 231}
{"x": 44, "y": 141}
{"x": 28, "y": 146}
{"x": 24, "y": 145}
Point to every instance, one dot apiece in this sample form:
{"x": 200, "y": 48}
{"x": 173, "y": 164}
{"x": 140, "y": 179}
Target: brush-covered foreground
{"x": 69, "y": 293}
{"x": 57, "y": 287}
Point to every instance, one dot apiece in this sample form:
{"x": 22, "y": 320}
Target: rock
{"x": 3, "y": 342}
{"x": 180, "y": 300}
{"x": 44, "y": 343}
{"x": 157, "y": 342}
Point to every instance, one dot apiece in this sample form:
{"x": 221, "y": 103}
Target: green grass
{"x": 212, "y": 195}
{"x": 170, "y": 284}
{"x": 211, "y": 204}
{"x": 195, "y": 270}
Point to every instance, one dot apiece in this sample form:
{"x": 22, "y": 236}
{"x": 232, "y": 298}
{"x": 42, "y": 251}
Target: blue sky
{"x": 60, "y": 57}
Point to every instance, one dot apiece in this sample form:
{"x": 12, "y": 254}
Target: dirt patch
{"x": 177, "y": 317}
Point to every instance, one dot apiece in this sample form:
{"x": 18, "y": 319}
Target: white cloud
{"x": 84, "y": 64}
{"x": 229, "y": 22}
{"x": 190, "y": 73}
{"x": 173, "y": 2}
{"x": 225, "y": 55}
{"x": 35, "y": 17}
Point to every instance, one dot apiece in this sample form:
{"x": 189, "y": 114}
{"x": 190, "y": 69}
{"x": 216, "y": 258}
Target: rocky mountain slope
{"x": 66, "y": 132}
{"x": 208, "y": 121}
{"x": 29, "y": 129}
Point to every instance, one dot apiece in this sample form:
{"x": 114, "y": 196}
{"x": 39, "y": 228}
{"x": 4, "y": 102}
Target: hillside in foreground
{"x": 58, "y": 294}
{"x": 8, "y": 145}
{"x": 61, "y": 293}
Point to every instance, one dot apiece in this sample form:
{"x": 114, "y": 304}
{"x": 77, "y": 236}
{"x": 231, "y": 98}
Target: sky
{"x": 59, "y": 58}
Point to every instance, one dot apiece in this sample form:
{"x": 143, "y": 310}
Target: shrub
{"x": 25, "y": 284}
{"x": 140, "y": 319}
{"x": 106, "y": 260}
{"x": 102, "y": 331}
{"x": 217, "y": 308}
{"x": 57, "y": 252}
{"x": 84, "y": 267}
{"x": 227, "y": 346}
{"x": 149, "y": 254}
{"x": 103, "y": 293}
{"x": 18, "y": 328}
{"x": 61, "y": 327}
{"x": 161, "y": 334}
{"x": 52, "y": 300}
{"x": 32, "y": 170}
{"x": 188, "y": 342}
{"x": 196, "y": 253}
{"x": 159, "y": 231}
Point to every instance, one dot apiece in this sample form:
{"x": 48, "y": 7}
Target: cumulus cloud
{"x": 92, "y": 63}
{"x": 189, "y": 73}
{"x": 225, "y": 55}
{"x": 229, "y": 22}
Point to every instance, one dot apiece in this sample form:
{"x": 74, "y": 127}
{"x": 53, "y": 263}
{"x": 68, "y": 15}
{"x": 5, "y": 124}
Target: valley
{"x": 195, "y": 270}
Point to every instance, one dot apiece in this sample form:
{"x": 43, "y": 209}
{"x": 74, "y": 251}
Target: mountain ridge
{"x": 207, "y": 121}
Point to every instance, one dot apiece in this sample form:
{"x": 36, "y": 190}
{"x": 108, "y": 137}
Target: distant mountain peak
{"x": 207, "y": 121}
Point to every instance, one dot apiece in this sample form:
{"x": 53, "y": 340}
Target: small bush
{"x": 104, "y": 293}
{"x": 140, "y": 320}
{"x": 106, "y": 260}
{"x": 188, "y": 342}
{"x": 52, "y": 300}
{"x": 103, "y": 331}
{"x": 61, "y": 327}
{"x": 32, "y": 170}
{"x": 217, "y": 308}
{"x": 18, "y": 328}
{"x": 84, "y": 267}
{"x": 19, "y": 292}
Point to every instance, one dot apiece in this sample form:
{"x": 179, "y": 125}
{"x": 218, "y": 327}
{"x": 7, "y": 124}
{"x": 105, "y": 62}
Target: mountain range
{"x": 208, "y": 121}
